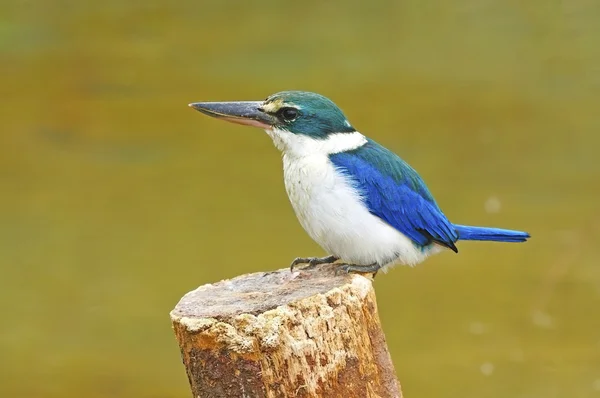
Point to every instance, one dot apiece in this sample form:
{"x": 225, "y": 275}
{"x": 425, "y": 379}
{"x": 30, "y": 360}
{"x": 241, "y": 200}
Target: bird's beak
{"x": 244, "y": 112}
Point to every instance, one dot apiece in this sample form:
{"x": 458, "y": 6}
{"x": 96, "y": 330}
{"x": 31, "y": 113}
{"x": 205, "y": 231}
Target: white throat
{"x": 300, "y": 145}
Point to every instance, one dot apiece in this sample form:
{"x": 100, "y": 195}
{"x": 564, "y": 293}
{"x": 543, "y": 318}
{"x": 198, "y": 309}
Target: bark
{"x": 285, "y": 334}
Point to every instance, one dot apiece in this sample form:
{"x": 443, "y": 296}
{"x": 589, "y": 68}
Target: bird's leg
{"x": 362, "y": 269}
{"x": 312, "y": 261}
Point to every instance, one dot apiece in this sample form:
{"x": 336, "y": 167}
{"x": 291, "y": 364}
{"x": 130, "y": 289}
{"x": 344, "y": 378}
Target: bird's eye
{"x": 288, "y": 114}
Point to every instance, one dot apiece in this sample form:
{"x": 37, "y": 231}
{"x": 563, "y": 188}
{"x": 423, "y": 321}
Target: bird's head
{"x": 298, "y": 121}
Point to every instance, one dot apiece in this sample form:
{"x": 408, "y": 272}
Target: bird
{"x": 359, "y": 201}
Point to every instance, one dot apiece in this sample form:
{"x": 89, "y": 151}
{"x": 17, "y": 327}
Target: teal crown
{"x": 311, "y": 114}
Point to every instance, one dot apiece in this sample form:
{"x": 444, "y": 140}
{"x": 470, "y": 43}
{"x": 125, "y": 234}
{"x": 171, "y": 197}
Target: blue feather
{"x": 466, "y": 232}
{"x": 394, "y": 192}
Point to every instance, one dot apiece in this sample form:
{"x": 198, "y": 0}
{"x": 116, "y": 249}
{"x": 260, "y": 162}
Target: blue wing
{"x": 394, "y": 192}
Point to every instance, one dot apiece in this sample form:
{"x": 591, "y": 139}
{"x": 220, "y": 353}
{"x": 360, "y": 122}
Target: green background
{"x": 116, "y": 198}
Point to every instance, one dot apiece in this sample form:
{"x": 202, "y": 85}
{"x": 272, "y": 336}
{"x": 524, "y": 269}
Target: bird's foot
{"x": 312, "y": 261}
{"x": 361, "y": 269}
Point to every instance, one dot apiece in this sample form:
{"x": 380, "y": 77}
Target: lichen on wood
{"x": 285, "y": 334}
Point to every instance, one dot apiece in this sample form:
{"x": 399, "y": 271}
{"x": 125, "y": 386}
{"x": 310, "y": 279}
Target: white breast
{"x": 330, "y": 210}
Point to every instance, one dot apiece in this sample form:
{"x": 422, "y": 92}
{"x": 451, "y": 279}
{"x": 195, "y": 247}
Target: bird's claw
{"x": 343, "y": 268}
{"x": 360, "y": 269}
{"x": 312, "y": 261}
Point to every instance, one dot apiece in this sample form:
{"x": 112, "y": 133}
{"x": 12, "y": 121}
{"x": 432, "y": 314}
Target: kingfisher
{"x": 358, "y": 200}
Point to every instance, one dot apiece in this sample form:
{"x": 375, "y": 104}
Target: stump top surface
{"x": 258, "y": 292}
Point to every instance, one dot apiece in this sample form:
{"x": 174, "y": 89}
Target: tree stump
{"x": 285, "y": 334}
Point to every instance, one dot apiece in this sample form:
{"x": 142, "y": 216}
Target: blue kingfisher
{"x": 358, "y": 200}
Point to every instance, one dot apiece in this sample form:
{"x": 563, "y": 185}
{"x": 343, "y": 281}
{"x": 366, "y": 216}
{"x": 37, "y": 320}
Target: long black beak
{"x": 243, "y": 112}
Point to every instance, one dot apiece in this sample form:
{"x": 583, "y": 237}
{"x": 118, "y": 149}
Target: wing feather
{"x": 394, "y": 192}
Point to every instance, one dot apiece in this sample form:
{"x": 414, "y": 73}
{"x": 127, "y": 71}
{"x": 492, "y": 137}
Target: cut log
{"x": 285, "y": 334}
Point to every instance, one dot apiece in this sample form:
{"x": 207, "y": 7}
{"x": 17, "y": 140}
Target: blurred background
{"x": 116, "y": 198}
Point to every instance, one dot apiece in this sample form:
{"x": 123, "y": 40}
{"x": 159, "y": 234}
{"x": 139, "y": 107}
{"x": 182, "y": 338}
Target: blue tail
{"x": 466, "y": 232}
